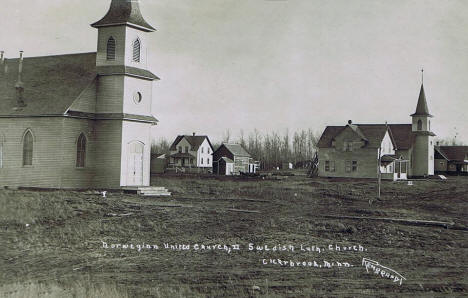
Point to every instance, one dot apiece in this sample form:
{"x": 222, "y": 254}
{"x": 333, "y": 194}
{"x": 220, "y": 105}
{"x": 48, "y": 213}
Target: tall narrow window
{"x": 1, "y": 151}
{"x": 419, "y": 124}
{"x": 81, "y": 151}
{"x": 28, "y": 143}
{"x": 136, "y": 50}
{"x": 111, "y": 48}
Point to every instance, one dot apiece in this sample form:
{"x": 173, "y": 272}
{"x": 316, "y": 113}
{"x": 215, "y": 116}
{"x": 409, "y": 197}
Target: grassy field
{"x": 54, "y": 243}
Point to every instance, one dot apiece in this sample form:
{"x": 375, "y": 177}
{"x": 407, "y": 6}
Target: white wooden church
{"x": 81, "y": 120}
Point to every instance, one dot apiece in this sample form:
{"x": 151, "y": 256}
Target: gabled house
{"x": 397, "y": 151}
{"x": 191, "y": 152}
{"x": 451, "y": 159}
{"x": 232, "y": 159}
{"x": 81, "y": 120}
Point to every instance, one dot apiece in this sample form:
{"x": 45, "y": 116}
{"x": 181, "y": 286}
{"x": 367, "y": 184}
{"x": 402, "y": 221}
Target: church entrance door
{"x": 135, "y": 163}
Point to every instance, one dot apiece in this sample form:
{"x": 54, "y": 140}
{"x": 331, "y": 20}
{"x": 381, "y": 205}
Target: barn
{"x": 81, "y": 120}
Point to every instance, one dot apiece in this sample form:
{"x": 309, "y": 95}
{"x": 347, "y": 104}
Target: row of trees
{"x": 271, "y": 149}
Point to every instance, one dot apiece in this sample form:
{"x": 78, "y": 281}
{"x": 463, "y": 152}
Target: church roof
{"x": 51, "y": 83}
{"x": 124, "y": 12}
{"x": 402, "y": 134}
{"x": 421, "y": 107}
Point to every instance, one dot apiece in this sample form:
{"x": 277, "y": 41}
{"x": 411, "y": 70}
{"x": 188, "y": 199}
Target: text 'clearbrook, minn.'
{"x": 228, "y": 248}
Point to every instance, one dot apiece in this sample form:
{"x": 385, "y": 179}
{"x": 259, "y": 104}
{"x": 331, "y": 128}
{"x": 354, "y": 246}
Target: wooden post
{"x": 379, "y": 175}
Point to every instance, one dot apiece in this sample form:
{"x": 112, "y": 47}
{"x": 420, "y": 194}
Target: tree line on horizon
{"x": 272, "y": 150}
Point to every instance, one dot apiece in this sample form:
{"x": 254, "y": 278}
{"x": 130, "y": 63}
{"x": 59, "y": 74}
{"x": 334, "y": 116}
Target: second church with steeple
{"x": 394, "y": 151}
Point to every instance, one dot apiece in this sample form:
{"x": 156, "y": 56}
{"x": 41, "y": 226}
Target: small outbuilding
{"x": 158, "y": 163}
{"x": 224, "y": 166}
{"x": 235, "y": 154}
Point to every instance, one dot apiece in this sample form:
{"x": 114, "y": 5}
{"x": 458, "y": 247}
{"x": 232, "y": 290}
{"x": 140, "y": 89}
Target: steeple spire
{"x": 421, "y": 107}
{"x": 124, "y": 12}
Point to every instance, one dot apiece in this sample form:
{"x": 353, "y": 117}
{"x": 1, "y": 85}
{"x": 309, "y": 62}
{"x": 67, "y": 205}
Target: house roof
{"x": 401, "y": 134}
{"x": 227, "y": 160}
{"x": 421, "y": 107}
{"x": 328, "y": 135}
{"x": 194, "y": 141}
{"x": 235, "y": 149}
{"x": 373, "y": 134}
{"x": 51, "y": 83}
{"x": 453, "y": 153}
{"x": 124, "y": 12}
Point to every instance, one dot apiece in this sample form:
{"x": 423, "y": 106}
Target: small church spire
{"x": 124, "y": 12}
{"x": 421, "y": 107}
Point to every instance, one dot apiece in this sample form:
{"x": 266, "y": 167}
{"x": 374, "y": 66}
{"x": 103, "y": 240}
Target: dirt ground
{"x": 220, "y": 230}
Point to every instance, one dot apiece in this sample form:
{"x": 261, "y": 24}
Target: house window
{"x": 208, "y": 150}
{"x": 202, "y": 160}
{"x": 28, "y": 143}
{"x": 348, "y": 146}
{"x": 329, "y": 166}
{"x": 191, "y": 161}
{"x": 419, "y": 124}
{"x": 81, "y": 151}
{"x": 354, "y": 166}
{"x": 208, "y": 161}
{"x": 111, "y": 48}
{"x": 202, "y": 149}
{"x": 136, "y": 50}
{"x": 180, "y": 149}
{"x": 186, "y": 149}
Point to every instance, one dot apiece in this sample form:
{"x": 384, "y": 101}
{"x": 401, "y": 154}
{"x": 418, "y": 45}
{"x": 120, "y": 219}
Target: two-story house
{"x": 191, "y": 152}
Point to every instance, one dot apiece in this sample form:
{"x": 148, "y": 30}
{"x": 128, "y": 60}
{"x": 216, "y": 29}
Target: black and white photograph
{"x": 233, "y": 148}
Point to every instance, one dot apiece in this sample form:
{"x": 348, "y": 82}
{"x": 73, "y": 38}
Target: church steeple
{"x": 124, "y": 12}
{"x": 421, "y": 107}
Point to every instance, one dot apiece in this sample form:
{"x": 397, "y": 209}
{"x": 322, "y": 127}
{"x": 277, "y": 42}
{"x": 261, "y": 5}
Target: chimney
{"x": 350, "y": 122}
{"x": 19, "y": 84}
{"x": 193, "y": 134}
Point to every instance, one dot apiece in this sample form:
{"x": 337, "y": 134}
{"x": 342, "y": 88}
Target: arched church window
{"x": 28, "y": 148}
{"x": 111, "y": 48}
{"x": 419, "y": 124}
{"x": 81, "y": 151}
{"x": 136, "y": 50}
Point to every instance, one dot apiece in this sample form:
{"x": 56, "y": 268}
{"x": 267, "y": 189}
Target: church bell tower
{"x": 124, "y": 95}
{"x": 423, "y": 148}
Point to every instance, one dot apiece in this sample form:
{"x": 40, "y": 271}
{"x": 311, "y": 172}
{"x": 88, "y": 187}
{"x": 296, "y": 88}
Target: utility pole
{"x": 379, "y": 175}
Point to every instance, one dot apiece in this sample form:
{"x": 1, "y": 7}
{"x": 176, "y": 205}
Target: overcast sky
{"x": 276, "y": 64}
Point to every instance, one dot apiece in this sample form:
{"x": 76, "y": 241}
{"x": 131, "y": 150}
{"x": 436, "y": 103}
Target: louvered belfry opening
{"x": 111, "y": 49}
{"x": 136, "y": 50}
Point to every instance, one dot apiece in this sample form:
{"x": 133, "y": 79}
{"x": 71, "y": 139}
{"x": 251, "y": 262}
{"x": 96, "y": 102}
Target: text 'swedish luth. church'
{"x": 81, "y": 120}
